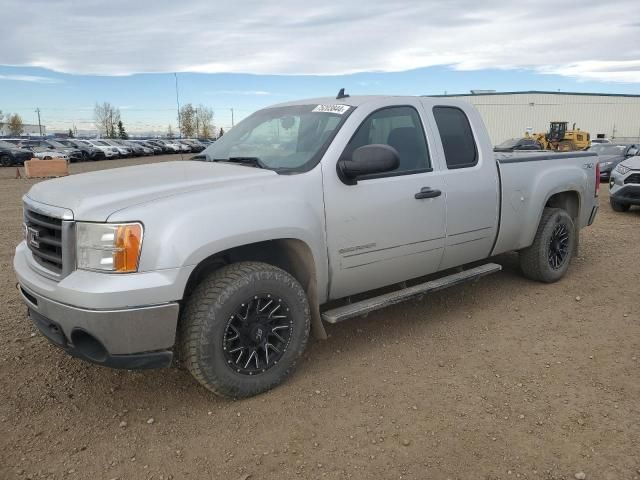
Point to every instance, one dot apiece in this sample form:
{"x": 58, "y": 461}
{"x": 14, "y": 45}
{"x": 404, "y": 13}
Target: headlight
{"x": 108, "y": 247}
{"x": 622, "y": 169}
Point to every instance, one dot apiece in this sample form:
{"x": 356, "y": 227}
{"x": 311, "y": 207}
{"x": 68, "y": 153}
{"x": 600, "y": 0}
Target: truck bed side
{"x": 528, "y": 183}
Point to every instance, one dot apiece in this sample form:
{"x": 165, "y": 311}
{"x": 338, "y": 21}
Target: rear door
{"x": 471, "y": 181}
{"x": 382, "y": 230}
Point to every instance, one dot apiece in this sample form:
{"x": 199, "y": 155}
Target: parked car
{"x": 73, "y": 154}
{"x": 160, "y": 144}
{"x": 145, "y": 149}
{"x": 43, "y": 152}
{"x": 109, "y": 150}
{"x": 230, "y": 260}
{"x": 157, "y": 149}
{"x": 183, "y": 145}
{"x": 136, "y": 150}
{"x": 124, "y": 152}
{"x": 196, "y": 146}
{"x": 89, "y": 152}
{"x": 11, "y": 155}
{"x": 516, "y": 144}
{"x": 610, "y": 155}
{"x": 624, "y": 185}
{"x": 169, "y": 146}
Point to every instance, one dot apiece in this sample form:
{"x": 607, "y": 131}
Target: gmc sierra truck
{"x": 228, "y": 261}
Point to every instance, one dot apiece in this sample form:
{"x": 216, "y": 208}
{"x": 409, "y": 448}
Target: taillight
{"x": 597, "y": 179}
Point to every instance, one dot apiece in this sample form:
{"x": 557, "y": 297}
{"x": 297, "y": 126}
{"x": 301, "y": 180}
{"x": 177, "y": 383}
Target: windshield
{"x": 282, "y": 138}
{"x": 605, "y": 149}
{"x": 53, "y": 143}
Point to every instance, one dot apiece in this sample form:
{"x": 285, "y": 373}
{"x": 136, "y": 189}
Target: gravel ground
{"x": 502, "y": 379}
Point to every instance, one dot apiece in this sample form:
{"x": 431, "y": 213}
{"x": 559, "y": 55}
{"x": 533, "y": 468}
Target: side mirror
{"x": 367, "y": 160}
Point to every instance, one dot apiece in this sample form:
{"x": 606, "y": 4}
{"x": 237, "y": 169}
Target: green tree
{"x": 15, "y": 125}
{"x": 122, "y": 134}
{"x": 169, "y": 131}
{"x": 221, "y": 132}
{"x": 70, "y": 134}
{"x": 187, "y": 121}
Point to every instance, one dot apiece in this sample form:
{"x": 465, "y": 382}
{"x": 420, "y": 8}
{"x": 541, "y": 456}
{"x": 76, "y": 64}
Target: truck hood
{"x": 94, "y": 196}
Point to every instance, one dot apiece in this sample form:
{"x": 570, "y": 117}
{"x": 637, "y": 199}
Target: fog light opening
{"x": 88, "y": 346}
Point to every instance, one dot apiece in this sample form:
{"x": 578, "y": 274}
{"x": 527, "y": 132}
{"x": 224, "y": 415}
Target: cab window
{"x": 400, "y": 128}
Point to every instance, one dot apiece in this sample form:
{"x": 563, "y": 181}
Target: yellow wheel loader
{"x": 563, "y": 140}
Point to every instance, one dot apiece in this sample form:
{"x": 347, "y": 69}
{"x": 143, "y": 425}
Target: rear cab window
{"x": 459, "y": 145}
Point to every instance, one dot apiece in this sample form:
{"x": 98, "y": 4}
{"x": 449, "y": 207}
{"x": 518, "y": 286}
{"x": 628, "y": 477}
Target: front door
{"x": 388, "y": 227}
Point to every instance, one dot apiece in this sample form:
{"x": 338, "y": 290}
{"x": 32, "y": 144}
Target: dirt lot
{"x": 502, "y": 379}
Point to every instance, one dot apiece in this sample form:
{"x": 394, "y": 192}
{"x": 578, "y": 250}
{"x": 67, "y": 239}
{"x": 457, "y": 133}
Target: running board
{"x": 365, "y": 306}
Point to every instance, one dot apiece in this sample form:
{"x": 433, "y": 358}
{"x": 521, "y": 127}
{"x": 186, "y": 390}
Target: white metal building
{"x": 511, "y": 114}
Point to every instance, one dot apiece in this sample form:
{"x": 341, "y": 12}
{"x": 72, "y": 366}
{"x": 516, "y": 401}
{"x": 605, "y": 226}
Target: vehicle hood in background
{"x": 632, "y": 162}
{"x": 94, "y": 196}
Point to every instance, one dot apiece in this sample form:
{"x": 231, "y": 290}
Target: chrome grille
{"x": 43, "y": 235}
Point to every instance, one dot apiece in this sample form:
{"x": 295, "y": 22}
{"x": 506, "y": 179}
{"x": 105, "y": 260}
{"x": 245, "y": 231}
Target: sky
{"x": 63, "y": 56}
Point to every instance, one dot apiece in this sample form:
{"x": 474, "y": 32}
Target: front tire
{"x": 243, "y": 329}
{"x": 619, "y": 207}
{"x": 6, "y": 161}
{"x": 547, "y": 259}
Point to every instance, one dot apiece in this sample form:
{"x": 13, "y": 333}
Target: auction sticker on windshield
{"x": 339, "y": 109}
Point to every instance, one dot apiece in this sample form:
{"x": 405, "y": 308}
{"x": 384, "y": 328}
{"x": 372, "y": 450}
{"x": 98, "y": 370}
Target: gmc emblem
{"x": 32, "y": 237}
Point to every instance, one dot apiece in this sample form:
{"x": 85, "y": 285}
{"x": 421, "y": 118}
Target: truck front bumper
{"x": 121, "y": 321}
{"x": 94, "y": 335}
{"x": 628, "y": 193}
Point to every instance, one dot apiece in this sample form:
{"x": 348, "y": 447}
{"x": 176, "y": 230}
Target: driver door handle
{"x": 427, "y": 192}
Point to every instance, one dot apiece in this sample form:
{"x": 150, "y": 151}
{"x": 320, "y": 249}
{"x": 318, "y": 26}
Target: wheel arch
{"x": 292, "y": 255}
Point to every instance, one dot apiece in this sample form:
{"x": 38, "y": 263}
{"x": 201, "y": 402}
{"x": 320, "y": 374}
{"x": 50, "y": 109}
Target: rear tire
{"x": 5, "y": 161}
{"x": 227, "y": 339}
{"x": 547, "y": 259}
{"x": 619, "y": 207}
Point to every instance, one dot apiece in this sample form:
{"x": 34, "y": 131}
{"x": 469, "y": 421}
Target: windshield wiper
{"x": 249, "y": 161}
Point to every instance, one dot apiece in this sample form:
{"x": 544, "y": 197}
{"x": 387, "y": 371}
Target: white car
{"x": 46, "y": 154}
{"x": 122, "y": 150}
{"x": 172, "y": 145}
{"x": 109, "y": 151}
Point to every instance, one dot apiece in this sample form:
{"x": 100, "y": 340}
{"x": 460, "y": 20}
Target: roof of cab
{"x": 357, "y": 100}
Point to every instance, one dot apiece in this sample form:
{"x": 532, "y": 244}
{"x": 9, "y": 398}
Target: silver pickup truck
{"x": 229, "y": 260}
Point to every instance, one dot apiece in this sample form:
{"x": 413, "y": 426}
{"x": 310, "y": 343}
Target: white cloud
{"x": 29, "y": 78}
{"x": 590, "y": 39}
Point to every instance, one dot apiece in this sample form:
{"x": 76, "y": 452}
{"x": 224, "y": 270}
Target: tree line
{"x": 194, "y": 122}
{"x": 14, "y": 123}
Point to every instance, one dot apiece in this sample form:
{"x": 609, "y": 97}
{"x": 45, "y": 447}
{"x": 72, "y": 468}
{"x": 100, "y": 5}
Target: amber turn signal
{"x": 127, "y": 248}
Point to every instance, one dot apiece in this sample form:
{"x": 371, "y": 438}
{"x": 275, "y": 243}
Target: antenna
{"x": 178, "y": 104}
{"x": 341, "y": 94}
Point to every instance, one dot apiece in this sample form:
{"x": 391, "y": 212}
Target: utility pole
{"x": 197, "y": 125}
{"x": 232, "y": 124}
{"x": 39, "y": 124}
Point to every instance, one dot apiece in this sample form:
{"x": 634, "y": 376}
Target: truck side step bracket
{"x": 369, "y": 305}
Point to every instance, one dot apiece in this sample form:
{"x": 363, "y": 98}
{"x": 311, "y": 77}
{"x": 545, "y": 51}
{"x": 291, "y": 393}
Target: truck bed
{"x": 529, "y": 179}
